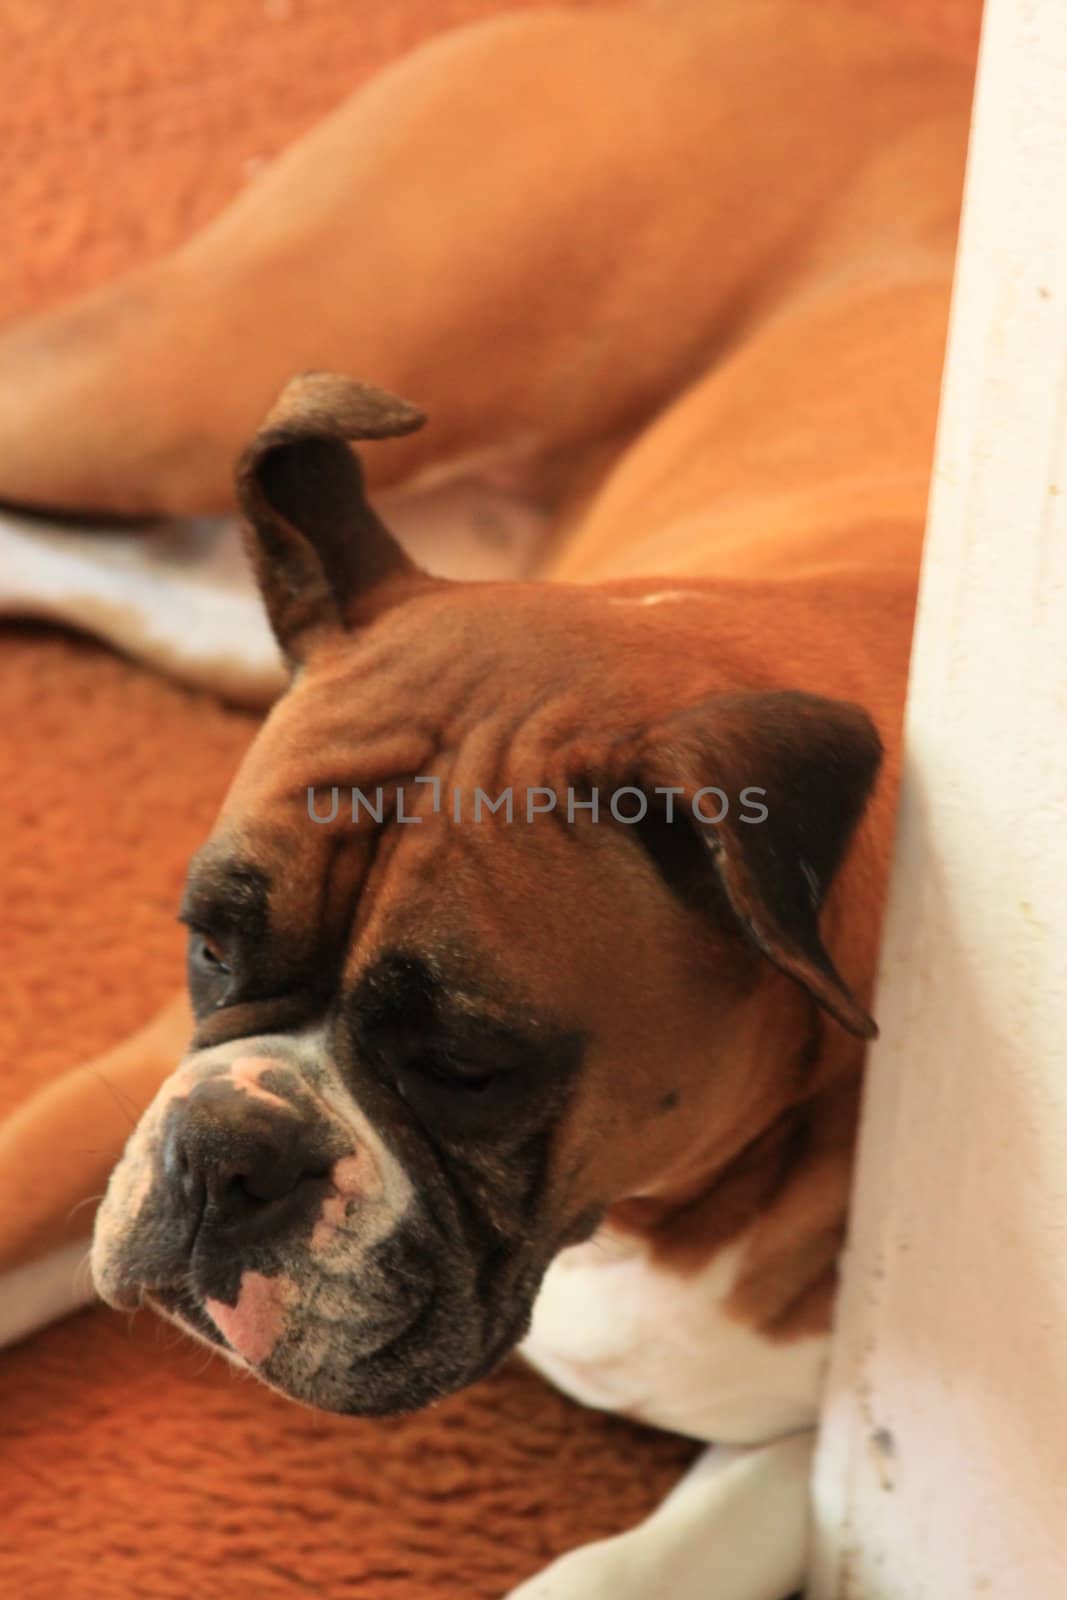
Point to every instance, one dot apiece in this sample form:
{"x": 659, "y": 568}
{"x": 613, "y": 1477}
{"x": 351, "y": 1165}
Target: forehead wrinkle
{"x": 339, "y": 757}
{"x": 413, "y": 658}
{"x": 432, "y": 862}
{"x": 349, "y": 858}
{"x": 318, "y": 736}
{"x": 550, "y": 724}
{"x": 479, "y": 759}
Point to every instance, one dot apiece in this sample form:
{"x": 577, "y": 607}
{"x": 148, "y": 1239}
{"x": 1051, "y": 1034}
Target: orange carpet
{"x": 134, "y": 1464}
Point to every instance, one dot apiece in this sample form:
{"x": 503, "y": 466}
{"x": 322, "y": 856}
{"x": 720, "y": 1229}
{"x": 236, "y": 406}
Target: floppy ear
{"x": 316, "y": 546}
{"x": 796, "y": 770}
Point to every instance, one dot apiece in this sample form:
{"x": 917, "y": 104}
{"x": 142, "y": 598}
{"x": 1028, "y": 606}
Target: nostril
{"x": 260, "y": 1184}
{"x": 256, "y": 1186}
{"x": 179, "y": 1167}
{"x": 249, "y": 1172}
{"x": 238, "y": 1197}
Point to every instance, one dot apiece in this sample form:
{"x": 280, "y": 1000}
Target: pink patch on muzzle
{"x": 255, "y": 1324}
{"x": 246, "y": 1072}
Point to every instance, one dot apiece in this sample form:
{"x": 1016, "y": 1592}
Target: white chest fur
{"x": 615, "y": 1331}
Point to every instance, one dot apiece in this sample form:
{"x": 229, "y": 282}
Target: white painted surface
{"x": 942, "y": 1471}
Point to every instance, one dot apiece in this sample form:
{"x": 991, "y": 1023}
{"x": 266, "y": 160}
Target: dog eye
{"x": 451, "y": 1071}
{"x": 209, "y": 971}
{"x": 207, "y": 954}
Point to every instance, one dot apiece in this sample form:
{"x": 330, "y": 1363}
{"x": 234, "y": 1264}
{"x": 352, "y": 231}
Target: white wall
{"x": 942, "y": 1471}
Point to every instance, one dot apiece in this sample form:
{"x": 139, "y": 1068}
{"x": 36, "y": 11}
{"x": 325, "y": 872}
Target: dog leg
{"x": 537, "y": 228}
{"x": 734, "y": 1528}
{"x": 56, "y": 1153}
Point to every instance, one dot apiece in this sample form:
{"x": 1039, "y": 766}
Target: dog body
{"x": 464, "y": 1075}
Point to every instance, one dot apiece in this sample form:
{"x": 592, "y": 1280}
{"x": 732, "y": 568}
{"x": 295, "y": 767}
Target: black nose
{"x": 248, "y": 1167}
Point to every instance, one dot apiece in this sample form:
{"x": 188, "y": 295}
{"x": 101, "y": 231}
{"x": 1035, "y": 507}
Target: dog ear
{"x": 795, "y": 772}
{"x": 316, "y": 547}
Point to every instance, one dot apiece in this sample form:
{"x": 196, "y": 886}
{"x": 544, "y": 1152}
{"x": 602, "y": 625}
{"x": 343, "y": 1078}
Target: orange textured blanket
{"x": 134, "y": 1463}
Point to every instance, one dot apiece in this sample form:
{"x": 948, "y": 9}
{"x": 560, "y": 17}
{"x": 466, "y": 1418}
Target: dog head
{"x": 494, "y": 932}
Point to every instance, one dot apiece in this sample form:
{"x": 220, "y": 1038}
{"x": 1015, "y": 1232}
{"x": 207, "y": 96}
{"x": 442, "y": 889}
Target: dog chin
{"x": 311, "y": 1362}
{"x": 424, "y": 1364}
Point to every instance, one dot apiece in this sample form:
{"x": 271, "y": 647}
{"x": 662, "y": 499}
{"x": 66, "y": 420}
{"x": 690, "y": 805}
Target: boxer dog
{"x": 531, "y": 955}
